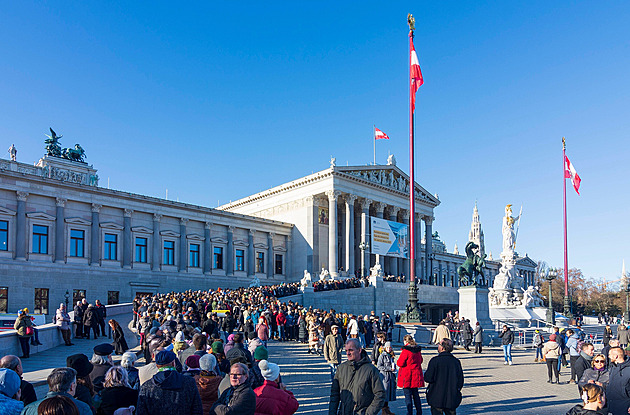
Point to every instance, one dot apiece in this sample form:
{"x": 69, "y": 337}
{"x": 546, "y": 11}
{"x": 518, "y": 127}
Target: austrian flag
{"x": 379, "y": 135}
{"x": 570, "y": 173}
{"x": 415, "y": 74}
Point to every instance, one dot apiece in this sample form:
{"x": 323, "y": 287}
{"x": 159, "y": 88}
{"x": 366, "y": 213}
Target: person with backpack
{"x": 574, "y": 352}
{"x": 539, "y": 340}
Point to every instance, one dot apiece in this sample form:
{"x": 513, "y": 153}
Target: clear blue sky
{"x": 219, "y": 101}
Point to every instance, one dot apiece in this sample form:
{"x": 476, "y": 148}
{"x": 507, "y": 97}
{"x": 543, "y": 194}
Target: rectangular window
{"x": 4, "y": 235}
{"x": 77, "y": 295}
{"x": 169, "y": 253}
{"x": 77, "y": 240}
{"x": 141, "y": 249}
{"x": 218, "y": 257}
{"x": 4, "y": 299}
{"x": 112, "y": 297}
{"x": 260, "y": 262}
{"x": 40, "y": 239}
{"x": 240, "y": 260}
{"x": 194, "y": 256}
{"x": 41, "y": 301}
{"x": 111, "y": 246}
{"x": 278, "y": 269}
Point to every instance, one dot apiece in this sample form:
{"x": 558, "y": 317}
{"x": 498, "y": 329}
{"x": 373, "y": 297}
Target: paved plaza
{"x": 490, "y": 386}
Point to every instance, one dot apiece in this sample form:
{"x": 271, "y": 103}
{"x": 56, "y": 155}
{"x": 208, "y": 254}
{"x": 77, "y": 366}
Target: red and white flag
{"x": 379, "y": 135}
{"x": 415, "y": 73}
{"x": 570, "y": 173}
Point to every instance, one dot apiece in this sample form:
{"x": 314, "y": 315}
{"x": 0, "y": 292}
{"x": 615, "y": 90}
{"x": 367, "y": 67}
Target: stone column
{"x": 95, "y": 251}
{"x": 288, "y": 263}
{"x": 312, "y": 257}
{"x": 349, "y": 264}
{"x": 230, "y": 251}
{"x": 183, "y": 245}
{"x": 428, "y": 249}
{"x": 251, "y": 265}
{"x": 207, "y": 249}
{"x": 406, "y": 262}
{"x": 127, "y": 245}
{"x": 20, "y": 226}
{"x": 157, "y": 243}
{"x": 380, "y": 209}
{"x": 365, "y": 226}
{"x": 393, "y": 261}
{"x": 270, "y": 258}
{"x": 333, "y": 243}
{"x": 59, "y": 230}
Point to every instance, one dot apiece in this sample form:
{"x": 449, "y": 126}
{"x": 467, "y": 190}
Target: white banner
{"x": 389, "y": 238}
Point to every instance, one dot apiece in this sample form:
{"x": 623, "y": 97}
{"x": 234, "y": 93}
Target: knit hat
{"x": 9, "y": 382}
{"x": 217, "y": 347}
{"x": 208, "y": 362}
{"x": 80, "y": 363}
{"x": 164, "y": 357}
{"x": 231, "y": 338}
{"x": 270, "y": 371}
{"x": 388, "y": 344}
{"x": 261, "y": 353}
{"x": 192, "y": 361}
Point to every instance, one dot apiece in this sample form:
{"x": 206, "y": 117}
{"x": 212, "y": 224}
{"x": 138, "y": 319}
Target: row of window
{"x": 110, "y": 249}
{"x": 41, "y": 299}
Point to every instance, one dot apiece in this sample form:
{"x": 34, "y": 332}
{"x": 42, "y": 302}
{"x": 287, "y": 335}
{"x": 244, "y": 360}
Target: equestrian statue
{"x": 472, "y": 268}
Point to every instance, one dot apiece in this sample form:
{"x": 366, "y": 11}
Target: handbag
{"x": 30, "y": 331}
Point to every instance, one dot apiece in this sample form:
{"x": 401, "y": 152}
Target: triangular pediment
{"x": 260, "y": 246}
{"x": 240, "y": 242}
{"x": 112, "y": 225}
{"x": 142, "y": 229}
{"x": 218, "y": 240}
{"x": 40, "y": 215}
{"x": 170, "y": 233}
{"x": 527, "y": 261}
{"x": 195, "y": 237}
{"x": 5, "y": 211}
{"x": 78, "y": 221}
{"x": 280, "y": 248}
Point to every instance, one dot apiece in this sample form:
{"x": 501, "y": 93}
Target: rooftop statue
{"x": 52, "y": 144}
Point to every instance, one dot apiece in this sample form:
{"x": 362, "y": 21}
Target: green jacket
{"x": 333, "y": 347}
{"x": 357, "y": 389}
{"x": 21, "y": 323}
{"x": 31, "y": 409}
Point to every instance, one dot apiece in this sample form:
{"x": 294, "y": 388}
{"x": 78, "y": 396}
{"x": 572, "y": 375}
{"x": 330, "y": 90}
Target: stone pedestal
{"x": 474, "y": 306}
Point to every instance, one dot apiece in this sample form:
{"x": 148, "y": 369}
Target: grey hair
{"x": 99, "y": 360}
{"x": 10, "y": 362}
{"x": 243, "y": 367}
{"x": 61, "y": 379}
{"x": 128, "y": 359}
{"x": 355, "y": 343}
{"x": 116, "y": 376}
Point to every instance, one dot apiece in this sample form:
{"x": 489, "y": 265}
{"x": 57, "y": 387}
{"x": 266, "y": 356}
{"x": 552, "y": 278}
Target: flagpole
{"x": 374, "y": 140}
{"x": 566, "y": 251}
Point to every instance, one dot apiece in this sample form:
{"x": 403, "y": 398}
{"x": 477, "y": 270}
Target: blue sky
{"x": 216, "y": 101}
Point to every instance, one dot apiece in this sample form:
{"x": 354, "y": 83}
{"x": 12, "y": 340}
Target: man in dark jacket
{"x": 357, "y": 387}
{"x": 169, "y": 392}
{"x": 619, "y": 383}
{"x": 101, "y": 314}
{"x": 15, "y": 364}
{"x": 583, "y": 362}
{"x": 239, "y": 398}
{"x": 78, "y": 321}
{"x": 445, "y": 377}
{"x": 90, "y": 321}
{"x": 507, "y": 339}
{"x": 239, "y": 350}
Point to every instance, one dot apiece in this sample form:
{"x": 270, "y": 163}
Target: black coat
{"x": 90, "y": 318}
{"x": 169, "y": 393}
{"x": 618, "y": 390}
{"x": 356, "y": 389}
{"x": 28, "y": 392}
{"x": 120, "y": 344}
{"x": 507, "y": 337}
{"x": 446, "y": 380}
{"x": 116, "y": 397}
{"x": 581, "y": 364}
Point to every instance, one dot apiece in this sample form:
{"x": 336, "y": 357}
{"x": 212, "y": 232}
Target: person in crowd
{"x": 78, "y": 321}
{"x": 34, "y": 341}
{"x": 593, "y": 400}
{"x": 62, "y": 321}
{"x": 302, "y": 329}
{"x": 357, "y": 386}
{"x": 379, "y": 343}
{"x": 262, "y": 330}
{"x": 386, "y": 366}
{"x": 273, "y": 398}
{"x": 90, "y": 322}
{"x": 507, "y": 339}
{"x": 102, "y": 361}
{"x": 10, "y": 403}
{"x": 467, "y": 333}
{"x": 84, "y": 391}
{"x": 222, "y": 362}
{"x": 623, "y": 335}
{"x": 230, "y": 343}
{"x": 27, "y": 391}
{"x": 101, "y": 315}
{"x": 58, "y": 405}
{"x": 574, "y": 352}
{"x": 445, "y": 377}
{"x": 313, "y": 339}
{"x": 618, "y": 383}
{"x": 612, "y": 343}
{"x": 25, "y": 331}
{"x": 146, "y": 372}
{"x": 117, "y": 392}
{"x": 410, "y": 376}
{"x": 168, "y": 392}
{"x": 551, "y": 351}
{"x": 597, "y": 374}
{"x": 200, "y": 344}
{"x": 120, "y": 344}
{"x": 352, "y": 331}
{"x": 261, "y": 353}
{"x": 61, "y": 382}
{"x": 281, "y": 321}
{"x": 208, "y": 381}
{"x": 538, "y": 342}
{"x": 192, "y": 365}
{"x": 333, "y": 348}
{"x": 239, "y": 349}
{"x": 127, "y": 361}
{"x": 441, "y": 332}
{"x": 239, "y": 398}
{"x": 608, "y": 334}
{"x": 254, "y": 342}
{"x": 584, "y": 361}
{"x": 478, "y": 337}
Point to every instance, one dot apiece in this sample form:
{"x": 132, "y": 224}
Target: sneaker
{"x": 510, "y": 363}
{"x": 505, "y": 363}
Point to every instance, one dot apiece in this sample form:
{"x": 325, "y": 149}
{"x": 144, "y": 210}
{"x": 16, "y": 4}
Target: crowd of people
{"x": 354, "y": 282}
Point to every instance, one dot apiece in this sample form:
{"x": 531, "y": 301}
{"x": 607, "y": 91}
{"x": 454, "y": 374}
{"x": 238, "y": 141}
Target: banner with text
{"x": 389, "y": 238}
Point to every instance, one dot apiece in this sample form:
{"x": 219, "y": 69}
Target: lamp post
{"x": 626, "y": 315}
{"x": 67, "y": 295}
{"x": 550, "y": 275}
{"x": 363, "y": 246}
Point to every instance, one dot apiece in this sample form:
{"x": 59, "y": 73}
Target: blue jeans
{"x": 362, "y": 339}
{"x": 333, "y": 370}
{"x": 281, "y": 328}
{"x": 539, "y": 353}
{"x": 507, "y": 352}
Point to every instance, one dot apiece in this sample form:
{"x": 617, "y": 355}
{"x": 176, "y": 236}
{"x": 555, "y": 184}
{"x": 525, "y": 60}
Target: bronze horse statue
{"x": 472, "y": 267}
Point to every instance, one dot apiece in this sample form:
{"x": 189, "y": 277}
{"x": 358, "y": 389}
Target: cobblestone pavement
{"x": 490, "y": 386}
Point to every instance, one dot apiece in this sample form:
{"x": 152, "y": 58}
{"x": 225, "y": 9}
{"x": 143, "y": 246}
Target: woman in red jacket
{"x": 273, "y": 398}
{"x": 410, "y": 374}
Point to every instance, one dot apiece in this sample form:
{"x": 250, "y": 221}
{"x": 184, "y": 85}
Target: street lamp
{"x": 626, "y": 315}
{"x": 550, "y": 275}
{"x": 363, "y": 246}
{"x": 67, "y": 295}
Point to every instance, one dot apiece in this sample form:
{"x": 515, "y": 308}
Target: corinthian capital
{"x": 21, "y": 196}
{"x": 61, "y": 202}
{"x": 96, "y": 207}
{"x": 333, "y": 194}
{"x": 428, "y": 220}
{"x": 350, "y": 199}
{"x": 365, "y": 203}
{"x": 128, "y": 213}
{"x": 380, "y": 207}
